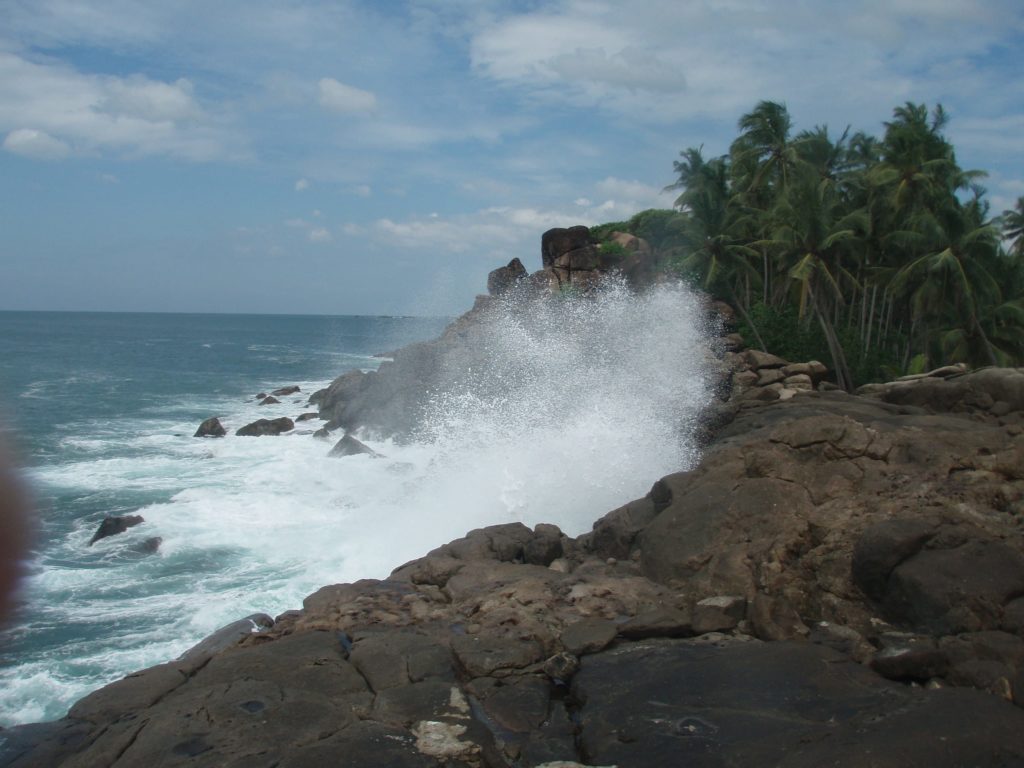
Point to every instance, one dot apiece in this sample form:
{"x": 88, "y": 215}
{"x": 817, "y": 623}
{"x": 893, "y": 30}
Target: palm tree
{"x": 951, "y": 278}
{"x": 815, "y": 235}
{"x": 763, "y": 146}
{"x": 1013, "y": 228}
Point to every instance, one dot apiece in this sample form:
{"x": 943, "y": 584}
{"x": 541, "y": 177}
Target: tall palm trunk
{"x": 843, "y": 377}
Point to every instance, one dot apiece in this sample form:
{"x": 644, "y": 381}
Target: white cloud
{"x": 319, "y": 235}
{"x": 39, "y": 145}
{"x": 363, "y": 190}
{"x": 97, "y": 113}
{"x": 301, "y": 184}
{"x": 150, "y": 100}
{"x": 339, "y": 97}
{"x": 109, "y": 178}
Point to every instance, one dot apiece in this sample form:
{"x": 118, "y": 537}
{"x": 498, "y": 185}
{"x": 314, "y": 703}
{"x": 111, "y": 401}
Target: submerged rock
{"x": 211, "y": 428}
{"x": 349, "y": 446}
{"x": 269, "y": 400}
{"x": 283, "y": 391}
{"x": 262, "y": 427}
{"x": 111, "y": 526}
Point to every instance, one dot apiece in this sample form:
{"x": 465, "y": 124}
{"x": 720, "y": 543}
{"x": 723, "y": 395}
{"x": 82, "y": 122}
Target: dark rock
{"x": 322, "y": 434}
{"x": 718, "y": 614}
{"x": 756, "y": 360}
{"x": 307, "y": 416}
{"x": 261, "y": 395}
{"x": 502, "y": 279}
{"x": 228, "y": 635}
{"x": 262, "y": 427}
{"x": 614, "y": 534}
{"x": 545, "y": 546}
{"x": 775, "y": 618}
{"x": 588, "y": 636}
{"x": 150, "y": 545}
{"x": 954, "y": 590}
{"x": 349, "y": 446}
{"x": 884, "y": 546}
{"x": 283, "y": 391}
{"x": 211, "y": 427}
{"x": 111, "y": 526}
{"x": 561, "y": 667}
{"x": 269, "y": 400}
{"x": 659, "y": 622}
{"x": 1013, "y": 616}
{"x": 558, "y": 241}
{"x": 483, "y": 656}
{"x": 664, "y": 703}
{"x": 910, "y": 657}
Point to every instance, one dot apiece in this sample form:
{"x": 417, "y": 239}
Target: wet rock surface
{"x": 263, "y": 427}
{"x": 838, "y": 582}
{"x": 211, "y": 428}
{"x": 113, "y": 525}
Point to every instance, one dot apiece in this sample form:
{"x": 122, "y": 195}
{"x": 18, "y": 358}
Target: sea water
{"x": 596, "y": 400}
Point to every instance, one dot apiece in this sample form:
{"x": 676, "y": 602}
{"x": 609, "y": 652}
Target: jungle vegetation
{"x": 879, "y": 256}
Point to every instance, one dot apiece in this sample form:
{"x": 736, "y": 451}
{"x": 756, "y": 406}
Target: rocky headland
{"x": 839, "y": 581}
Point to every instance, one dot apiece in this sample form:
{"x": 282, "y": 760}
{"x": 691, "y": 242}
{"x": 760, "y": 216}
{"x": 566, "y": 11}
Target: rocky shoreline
{"x": 839, "y": 581}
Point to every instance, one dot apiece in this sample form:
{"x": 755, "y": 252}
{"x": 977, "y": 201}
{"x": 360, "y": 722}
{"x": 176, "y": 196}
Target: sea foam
{"x": 581, "y": 405}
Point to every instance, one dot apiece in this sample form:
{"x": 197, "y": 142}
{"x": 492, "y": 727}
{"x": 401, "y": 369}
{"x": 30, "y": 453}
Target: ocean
{"x": 100, "y": 408}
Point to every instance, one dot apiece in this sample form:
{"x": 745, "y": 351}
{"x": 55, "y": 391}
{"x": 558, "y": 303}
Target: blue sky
{"x": 380, "y": 158}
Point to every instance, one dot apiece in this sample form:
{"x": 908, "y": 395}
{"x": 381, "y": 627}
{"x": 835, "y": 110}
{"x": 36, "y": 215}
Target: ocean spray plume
{"x": 557, "y": 411}
{"x": 572, "y": 404}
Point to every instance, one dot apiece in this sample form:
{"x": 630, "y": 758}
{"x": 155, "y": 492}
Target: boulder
{"x": 675, "y": 702}
{"x": 262, "y": 427}
{"x": 269, "y": 400}
{"x": 283, "y": 391}
{"x": 211, "y": 427}
{"x": 307, "y": 416}
{"x": 556, "y": 242}
{"x": 349, "y": 446}
{"x": 113, "y": 525}
{"x": 502, "y": 279}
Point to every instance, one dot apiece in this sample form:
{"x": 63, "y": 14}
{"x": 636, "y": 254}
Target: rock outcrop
{"x": 838, "y": 582}
{"x": 211, "y": 428}
{"x": 262, "y": 427}
{"x": 349, "y": 446}
{"x": 391, "y": 400}
{"x": 113, "y": 525}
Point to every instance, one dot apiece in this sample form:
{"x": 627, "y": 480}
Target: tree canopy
{"x": 878, "y": 254}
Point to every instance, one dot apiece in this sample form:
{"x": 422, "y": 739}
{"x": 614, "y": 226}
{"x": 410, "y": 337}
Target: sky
{"x": 297, "y": 156}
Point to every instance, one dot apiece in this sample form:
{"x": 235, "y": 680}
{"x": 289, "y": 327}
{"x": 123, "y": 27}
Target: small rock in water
{"x": 111, "y": 526}
{"x": 322, "y": 434}
{"x": 149, "y": 546}
{"x": 261, "y": 395}
{"x": 286, "y": 391}
{"x": 349, "y": 446}
{"x": 271, "y": 400}
{"x": 262, "y": 427}
{"x": 211, "y": 428}
{"x": 307, "y": 416}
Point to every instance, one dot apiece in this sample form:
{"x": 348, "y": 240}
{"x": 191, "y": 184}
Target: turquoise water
{"x": 100, "y": 409}
{"x": 582, "y": 404}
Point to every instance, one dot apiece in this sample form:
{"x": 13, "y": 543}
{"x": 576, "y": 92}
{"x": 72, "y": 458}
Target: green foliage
{"x": 876, "y": 256}
{"x": 613, "y": 252}
{"x": 602, "y": 232}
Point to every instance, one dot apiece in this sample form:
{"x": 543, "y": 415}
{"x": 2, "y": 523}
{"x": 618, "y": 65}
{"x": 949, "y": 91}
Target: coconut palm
{"x": 815, "y": 236}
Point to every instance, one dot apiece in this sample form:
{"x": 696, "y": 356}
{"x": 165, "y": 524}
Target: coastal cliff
{"x": 840, "y": 580}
